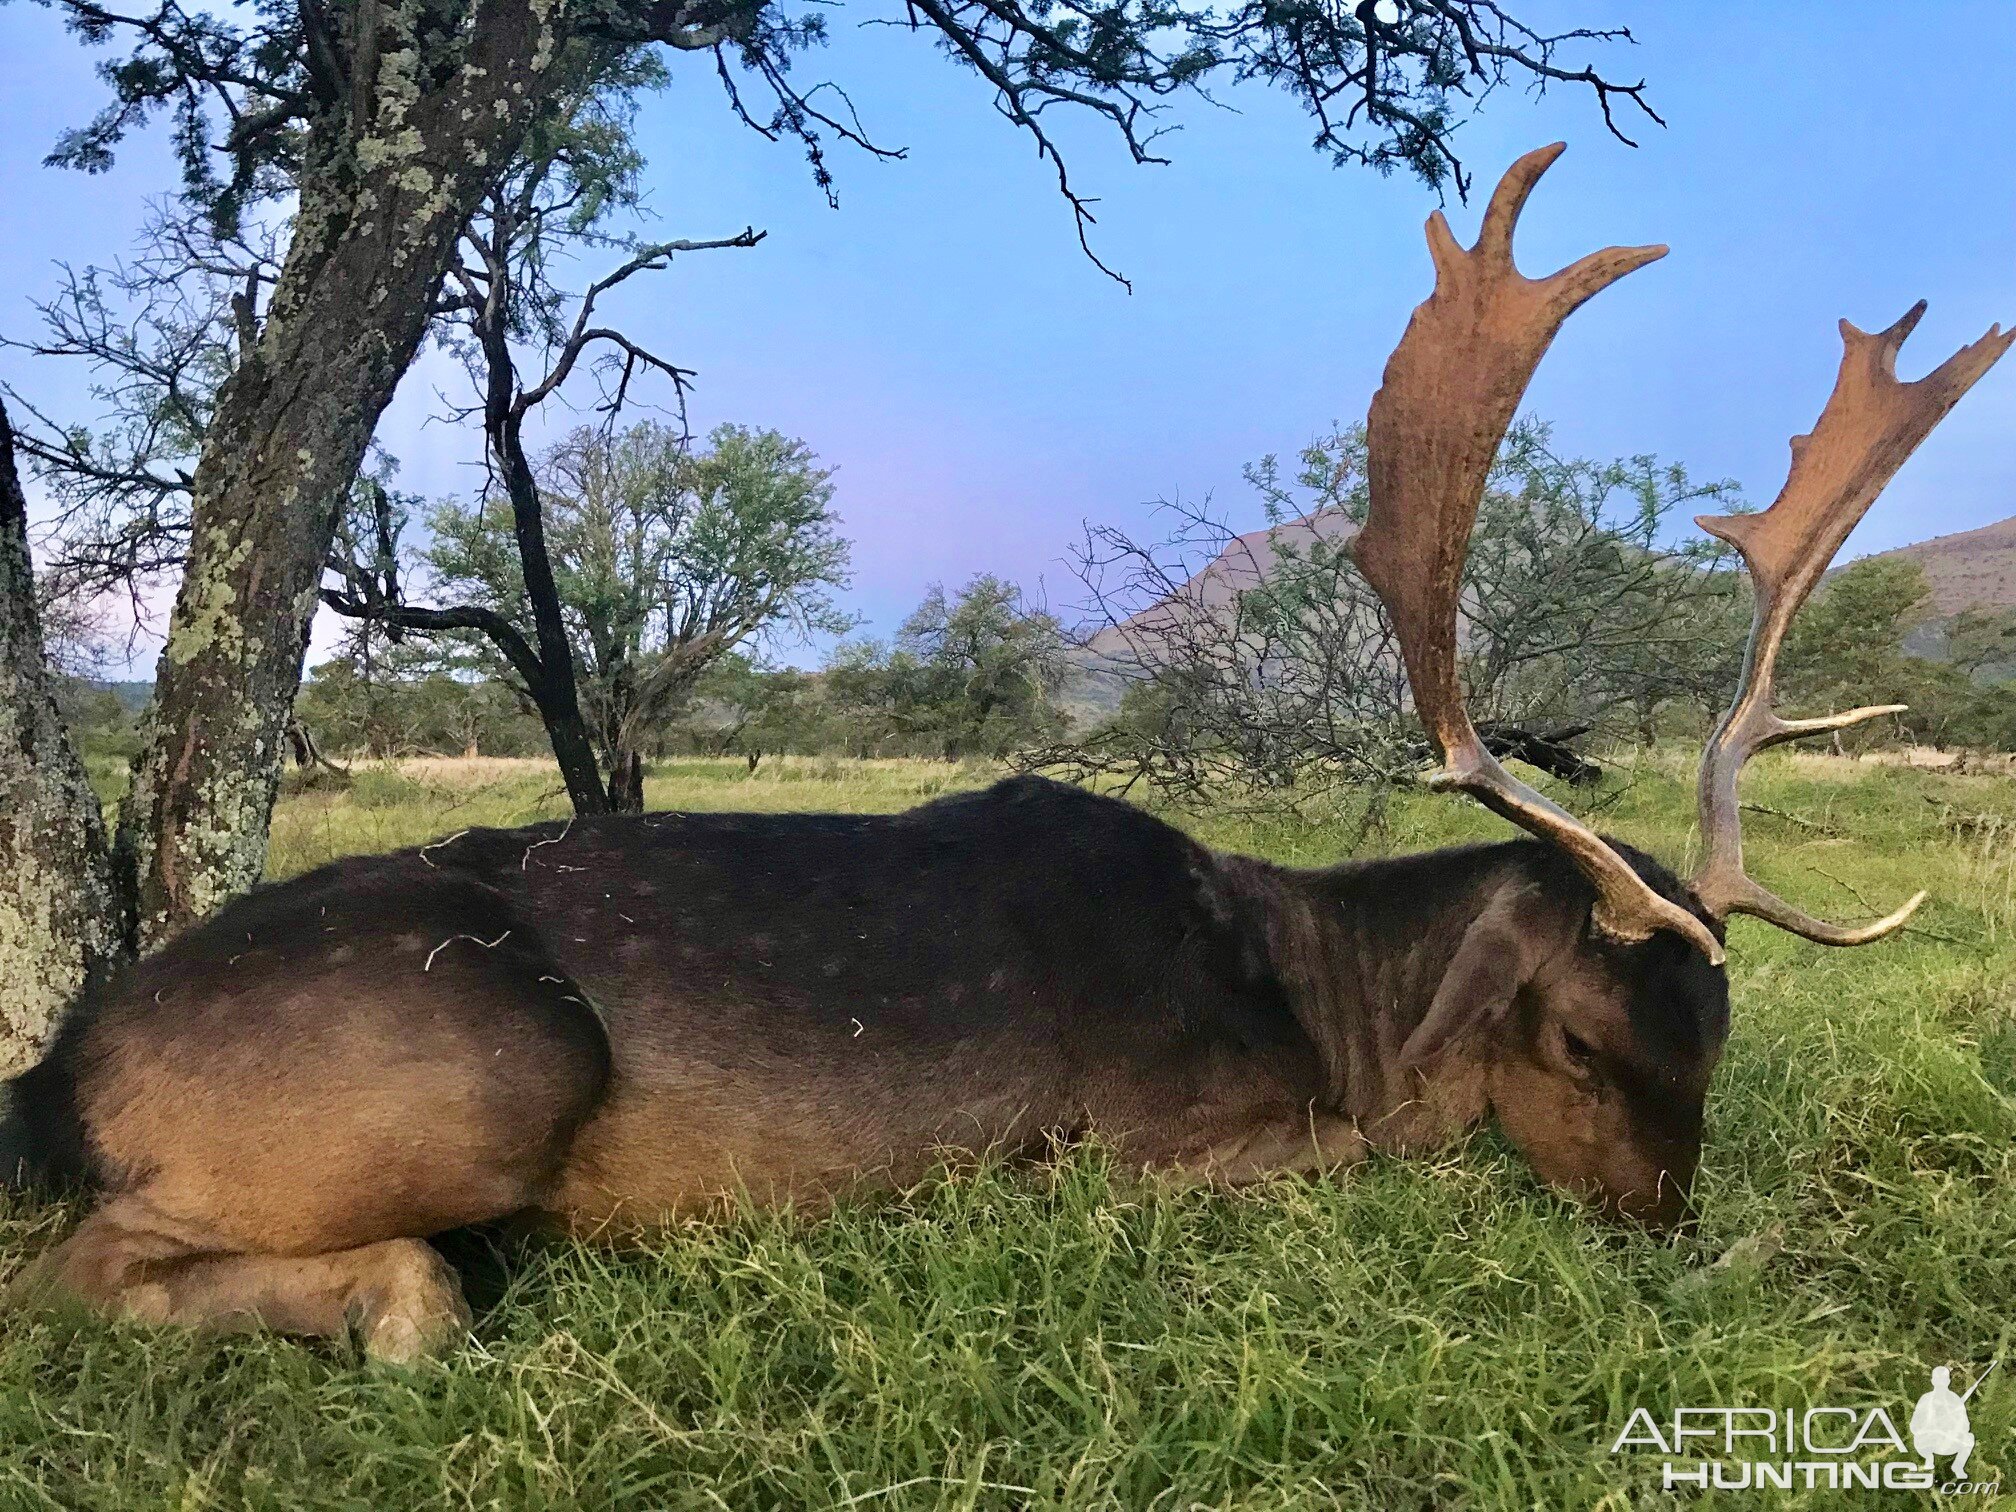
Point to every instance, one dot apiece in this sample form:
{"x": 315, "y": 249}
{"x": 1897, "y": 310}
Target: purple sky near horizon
{"x": 983, "y": 389}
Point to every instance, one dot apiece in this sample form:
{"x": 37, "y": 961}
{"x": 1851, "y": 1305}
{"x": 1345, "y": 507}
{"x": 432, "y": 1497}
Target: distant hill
{"x": 1244, "y": 562}
{"x": 1975, "y": 568}
{"x": 1099, "y": 676}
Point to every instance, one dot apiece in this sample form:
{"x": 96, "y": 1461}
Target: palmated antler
{"x": 1450, "y": 391}
{"x": 1871, "y": 423}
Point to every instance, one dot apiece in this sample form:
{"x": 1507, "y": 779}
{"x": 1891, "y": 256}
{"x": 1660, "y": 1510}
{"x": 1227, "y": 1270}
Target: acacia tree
{"x": 1873, "y": 624}
{"x": 375, "y": 128}
{"x": 399, "y": 701}
{"x": 977, "y": 673}
{"x": 1850, "y": 636}
{"x": 501, "y": 300}
{"x": 663, "y": 560}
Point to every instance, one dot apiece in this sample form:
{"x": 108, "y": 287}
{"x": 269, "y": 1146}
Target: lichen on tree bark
{"x": 382, "y": 197}
{"x": 62, "y": 921}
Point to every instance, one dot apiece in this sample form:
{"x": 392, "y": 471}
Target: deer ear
{"x": 1499, "y": 954}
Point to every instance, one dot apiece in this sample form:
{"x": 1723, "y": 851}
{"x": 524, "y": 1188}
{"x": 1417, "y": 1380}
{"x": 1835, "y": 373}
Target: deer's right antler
{"x": 1450, "y": 391}
{"x": 1871, "y": 423}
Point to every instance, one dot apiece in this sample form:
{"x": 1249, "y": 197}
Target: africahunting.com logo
{"x": 1836, "y": 1448}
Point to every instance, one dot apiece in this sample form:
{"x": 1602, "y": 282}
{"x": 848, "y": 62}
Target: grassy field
{"x": 1420, "y": 1335}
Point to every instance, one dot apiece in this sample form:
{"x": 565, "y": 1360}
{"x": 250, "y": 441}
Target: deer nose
{"x": 1667, "y": 1208}
{"x": 1674, "y": 1216}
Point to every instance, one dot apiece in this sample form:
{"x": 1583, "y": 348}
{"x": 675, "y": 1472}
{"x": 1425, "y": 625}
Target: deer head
{"x": 1605, "y": 1041}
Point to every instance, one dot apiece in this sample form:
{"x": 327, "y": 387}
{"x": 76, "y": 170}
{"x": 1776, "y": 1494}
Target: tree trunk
{"x": 559, "y": 709}
{"x": 62, "y": 916}
{"x": 553, "y": 695}
{"x": 558, "y": 693}
{"x": 291, "y": 427}
{"x": 307, "y": 754}
{"x": 626, "y": 782}
{"x": 381, "y": 203}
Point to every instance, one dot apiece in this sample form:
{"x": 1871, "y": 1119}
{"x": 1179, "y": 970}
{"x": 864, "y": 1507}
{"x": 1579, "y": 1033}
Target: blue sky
{"x": 983, "y": 389}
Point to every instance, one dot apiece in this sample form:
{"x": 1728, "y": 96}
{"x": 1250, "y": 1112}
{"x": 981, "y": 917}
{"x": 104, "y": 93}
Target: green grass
{"x": 1420, "y": 1335}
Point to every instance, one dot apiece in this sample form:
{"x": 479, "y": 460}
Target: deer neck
{"x": 1359, "y": 950}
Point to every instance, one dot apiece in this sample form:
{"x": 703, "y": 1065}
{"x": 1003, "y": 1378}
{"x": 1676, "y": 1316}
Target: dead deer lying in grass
{"x": 610, "y": 1023}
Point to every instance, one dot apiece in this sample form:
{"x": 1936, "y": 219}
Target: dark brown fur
{"x": 612, "y": 1023}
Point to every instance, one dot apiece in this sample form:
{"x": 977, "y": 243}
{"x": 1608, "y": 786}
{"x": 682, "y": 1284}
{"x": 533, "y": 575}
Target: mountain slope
{"x": 1974, "y": 568}
{"x": 1242, "y": 564}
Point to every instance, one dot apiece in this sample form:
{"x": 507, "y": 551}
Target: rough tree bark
{"x": 390, "y": 176}
{"x": 62, "y": 916}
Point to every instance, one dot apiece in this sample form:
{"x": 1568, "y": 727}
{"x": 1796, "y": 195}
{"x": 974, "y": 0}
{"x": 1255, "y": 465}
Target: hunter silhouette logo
{"x": 1939, "y": 1422}
{"x": 1838, "y": 1448}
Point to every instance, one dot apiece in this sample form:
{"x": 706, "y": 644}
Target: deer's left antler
{"x": 1871, "y": 423}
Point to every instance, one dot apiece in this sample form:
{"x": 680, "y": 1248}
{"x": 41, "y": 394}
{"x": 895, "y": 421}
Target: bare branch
{"x": 649, "y": 259}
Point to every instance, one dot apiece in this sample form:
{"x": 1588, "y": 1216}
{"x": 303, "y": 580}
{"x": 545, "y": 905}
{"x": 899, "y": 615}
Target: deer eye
{"x": 1580, "y": 1051}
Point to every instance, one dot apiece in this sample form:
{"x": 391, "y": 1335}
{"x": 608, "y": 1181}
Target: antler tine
{"x": 1435, "y": 426}
{"x": 1871, "y": 423}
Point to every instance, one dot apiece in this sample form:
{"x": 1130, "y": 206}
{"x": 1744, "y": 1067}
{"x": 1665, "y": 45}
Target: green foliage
{"x": 1417, "y": 1335}
{"x": 1850, "y": 635}
{"x": 1849, "y": 648}
{"x": 972, "y": 675}
{"x": 380, "y": 705}
{"x": 739, "y": 705}
{"x": 256, "y": 98}
{"x": 104, "y": 727}
{"x": 665, "y": 559}
{"x": 1981, "y": 644}
{"x": 976, "y": 674}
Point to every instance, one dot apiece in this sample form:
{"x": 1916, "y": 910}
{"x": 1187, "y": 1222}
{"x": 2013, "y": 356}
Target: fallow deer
{"x": 610, "y": 1023}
